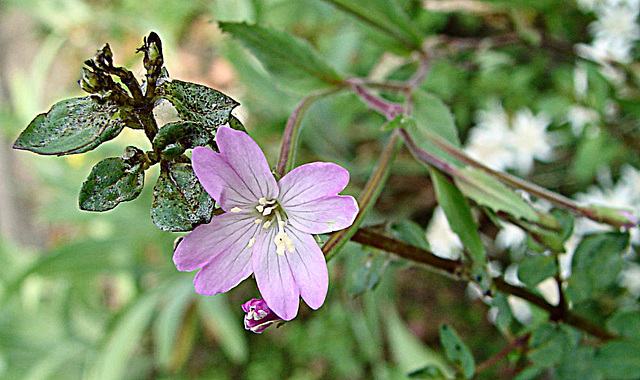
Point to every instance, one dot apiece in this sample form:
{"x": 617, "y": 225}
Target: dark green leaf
{"x": 457, "y": 351}
{"x": 535, "y": 269}
{"x": 488, "y": 191}
{"x": 180, "y": 202}
{"x": 548, "y": 345}
{"x": 599, "y": 257}
{"x": 619, "y": 359}
{"x": 386, "y": 16}
{"x": 626, "y": 323}
{"x": 111, "y": 181}
{"x": 72, "y": 126}
{"x": 458, "y": 213}
{"x": 505, "y": 315}
{"x": 174, "y": 138}
{"x": 291, "y": 60}
{"x": 579, "y": 365}
{"x": 368, "y": 274}
{"x": 198, "y": 103}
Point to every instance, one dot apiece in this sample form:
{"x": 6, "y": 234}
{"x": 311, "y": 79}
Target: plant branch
{"x": 517, "y": 343}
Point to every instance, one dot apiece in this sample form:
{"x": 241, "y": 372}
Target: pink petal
{"x": 273, "y": 275}
{"x": 323, "y": 215}
{"x": 309, "y": 268}
{"x": 226, "y": 234}
{"x": 312, "y": 181}
{"x": 224, "y": 272}
{"x": 221, "y": 180}
{"x": 247, "y": 159}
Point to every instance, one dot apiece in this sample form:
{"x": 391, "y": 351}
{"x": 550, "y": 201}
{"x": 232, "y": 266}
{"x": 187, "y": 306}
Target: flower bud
{"x": 259, "y": 316}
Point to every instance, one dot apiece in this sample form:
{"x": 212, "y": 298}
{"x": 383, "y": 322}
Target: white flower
{"x": 529, "y": 139}
{"x": 579, "y": 117}
{"x": 443, "y": 241}
{"x": 487, "y": 140}
{"x": 510, "y": 236}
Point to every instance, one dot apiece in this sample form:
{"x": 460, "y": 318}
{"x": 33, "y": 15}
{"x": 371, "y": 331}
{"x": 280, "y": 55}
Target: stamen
{"x": 267, "y": 211}
{"x": 260, "y": 208}
{"x": 251, "y": 242}
{"x": 258, "y": 221}
{"x": 266, "y": 224}
{"x": 262, "y": 201}
{"x": 236, "y": 210}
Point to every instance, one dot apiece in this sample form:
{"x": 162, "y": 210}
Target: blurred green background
{"x": 96, "y": 296}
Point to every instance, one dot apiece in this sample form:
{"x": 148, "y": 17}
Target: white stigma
{"x": 282, "y": 240}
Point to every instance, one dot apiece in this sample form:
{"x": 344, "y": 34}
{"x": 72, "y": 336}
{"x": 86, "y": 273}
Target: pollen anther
{"x": 236, "y": 210}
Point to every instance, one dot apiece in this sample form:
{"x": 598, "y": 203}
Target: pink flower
{"x": 258, "y": 316}
{"x": 267, "y": 228}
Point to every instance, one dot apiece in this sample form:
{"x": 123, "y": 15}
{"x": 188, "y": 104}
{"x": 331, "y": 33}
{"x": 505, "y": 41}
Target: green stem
{"x": 368, "y": 197}
{"x": 292, "y": 130}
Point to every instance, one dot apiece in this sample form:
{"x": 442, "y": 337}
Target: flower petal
{"x": 309, "y": 268}
{"x": 323, "y": 215}
{"x": 312, "y": 181}
{"x": 223, "y": 272}
{"x": 247, "y": 159}
{"x": 226, "y": 234}
{"x": 273, "y": 275}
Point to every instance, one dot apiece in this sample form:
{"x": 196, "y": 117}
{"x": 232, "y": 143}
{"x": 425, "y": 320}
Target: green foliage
{"x": 73, "y": 126}
{"x": 111, "y": 181}
{"x": 457, "y": 351}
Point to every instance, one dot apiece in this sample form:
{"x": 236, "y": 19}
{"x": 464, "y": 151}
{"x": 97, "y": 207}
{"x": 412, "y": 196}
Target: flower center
{"x": 270, "y": 212}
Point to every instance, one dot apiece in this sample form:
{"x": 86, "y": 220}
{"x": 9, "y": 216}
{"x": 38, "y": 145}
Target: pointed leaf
{"x": 410, "y": 232}
{"x": 488, "y": 191}
{"x": 535, "y": 269}
{"x": 180, "y": 202}
{"x": 291, "y": 60}
{"x": 458, "y": 213}
{"x": 195, "y": 102}
{"x": 72, "y": 126}
{"x": 457, "y": 351}
{"x": 111, "y": 181}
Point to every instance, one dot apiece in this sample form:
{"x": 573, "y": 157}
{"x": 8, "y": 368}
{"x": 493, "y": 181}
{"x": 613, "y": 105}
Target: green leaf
{"x": 535, "y": 269}
{"x": 410, "y": 232}
{"x": 223, "y": 324}
{"x": 72, "y": 126}
{"x": 368, "y": 274}
{"x": 195, "y": 102}
{"x": 457, "y": 351}
{"x": 458, "y": 213}
{"x": 386, "y": 16}
{"x": 619, "y": 359}
{"x": 626, "y": 323}
{"x": 180, "y": 202}
{"x": 428, "y": 372}
{"x": 548, "y": 345}
{"x": 291, "y": 60}
{"x": 488, "y": 191}
{"x": 432, "y": 119}
{"x": 598, "y": 257}
{"x": 111, "y": 181}
{"x": 579, "y": 365}
{"x": 505, "y": 315}
{"x": 174, "y": 138}
{"x": 123, "y": 339}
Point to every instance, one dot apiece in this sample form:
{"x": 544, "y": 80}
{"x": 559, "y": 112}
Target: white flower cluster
{"x": 614, "y": 32}
{"x": 501, "y": 143}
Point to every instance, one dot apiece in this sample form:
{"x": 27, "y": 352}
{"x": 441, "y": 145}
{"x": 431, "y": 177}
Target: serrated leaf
{"x": 72, "y": 126}
{"x": 291, "y": 60}
{"x": 195, "y": 102}
{"x": 535, "y": 269}
{"x": 458, "y": 213}
{"x": 386, "y": 16}
{"x": 111, "y": 181}
{"x": 457, "y": 351}
{"x": 174, "y": 138}
{"x": 488, "y": 191}
{"x": 368, "y": 273}
{"x": 180, "y": 202}
{"x": 619, "y": 359}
